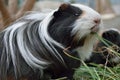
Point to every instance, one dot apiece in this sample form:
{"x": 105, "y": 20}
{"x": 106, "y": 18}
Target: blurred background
{"x": 10, "y": 10}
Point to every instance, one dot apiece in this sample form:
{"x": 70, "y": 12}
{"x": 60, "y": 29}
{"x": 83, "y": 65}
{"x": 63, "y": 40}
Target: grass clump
{"x": 97, "y": 73}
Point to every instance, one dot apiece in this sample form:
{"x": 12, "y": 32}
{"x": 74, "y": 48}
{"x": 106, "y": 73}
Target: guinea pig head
{"x": 75, "y": 25}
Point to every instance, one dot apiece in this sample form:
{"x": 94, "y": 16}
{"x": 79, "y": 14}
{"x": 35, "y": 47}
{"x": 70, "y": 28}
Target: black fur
{"x": 33, "y": 48}
{"x": 64, "y": 20}
{"x": 59, "y": 29}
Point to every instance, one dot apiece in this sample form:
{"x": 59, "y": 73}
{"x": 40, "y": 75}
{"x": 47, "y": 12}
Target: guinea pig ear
{"x": 63, "y": 7}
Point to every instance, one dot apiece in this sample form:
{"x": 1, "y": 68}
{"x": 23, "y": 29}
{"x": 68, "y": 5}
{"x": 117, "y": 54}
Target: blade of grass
{"x": 96, "y": 74}
{"x": 102, "y": 40}
{"x": 105, "y": 41}
{"x": 90, "y": 71}
{"x": 63, "y": 78}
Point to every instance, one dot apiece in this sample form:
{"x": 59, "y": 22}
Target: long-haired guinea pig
{"x": 107, "y": 53}
{"x": 34, "y": 46}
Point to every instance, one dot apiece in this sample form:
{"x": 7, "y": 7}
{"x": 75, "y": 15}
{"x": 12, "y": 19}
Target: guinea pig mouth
{"x": 94, "y": 29}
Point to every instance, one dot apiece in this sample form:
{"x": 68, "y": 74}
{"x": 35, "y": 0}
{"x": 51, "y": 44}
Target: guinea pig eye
{"x": 76, "y": 14}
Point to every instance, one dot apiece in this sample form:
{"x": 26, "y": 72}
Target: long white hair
{"x": 27, "y": 43}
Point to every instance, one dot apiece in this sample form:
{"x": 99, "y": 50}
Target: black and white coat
{"x": 32, "y": 47}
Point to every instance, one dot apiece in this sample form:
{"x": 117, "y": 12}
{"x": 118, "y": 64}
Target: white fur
{"x": 83, "y": 26}
{"x": 26, "y": 54}
{"x": 86, "y": 49}
{"x": 31, "y": 60}
{"x": 12, "y": 28}
{"x": 86, "y": 20}
{"x": 36, "y": 15}
{"x": 44, "y": 35}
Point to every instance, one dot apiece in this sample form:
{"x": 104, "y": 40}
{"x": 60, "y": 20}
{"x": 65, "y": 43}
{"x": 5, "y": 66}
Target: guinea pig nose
{"x": 97, "y": 21}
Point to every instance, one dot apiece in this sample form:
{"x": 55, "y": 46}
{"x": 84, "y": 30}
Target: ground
{"x": 112, "y": 23}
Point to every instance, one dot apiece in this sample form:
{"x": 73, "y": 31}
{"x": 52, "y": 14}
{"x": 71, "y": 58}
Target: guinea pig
{"x": 103, "y": 55}
{"x": 33, "y": 47}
